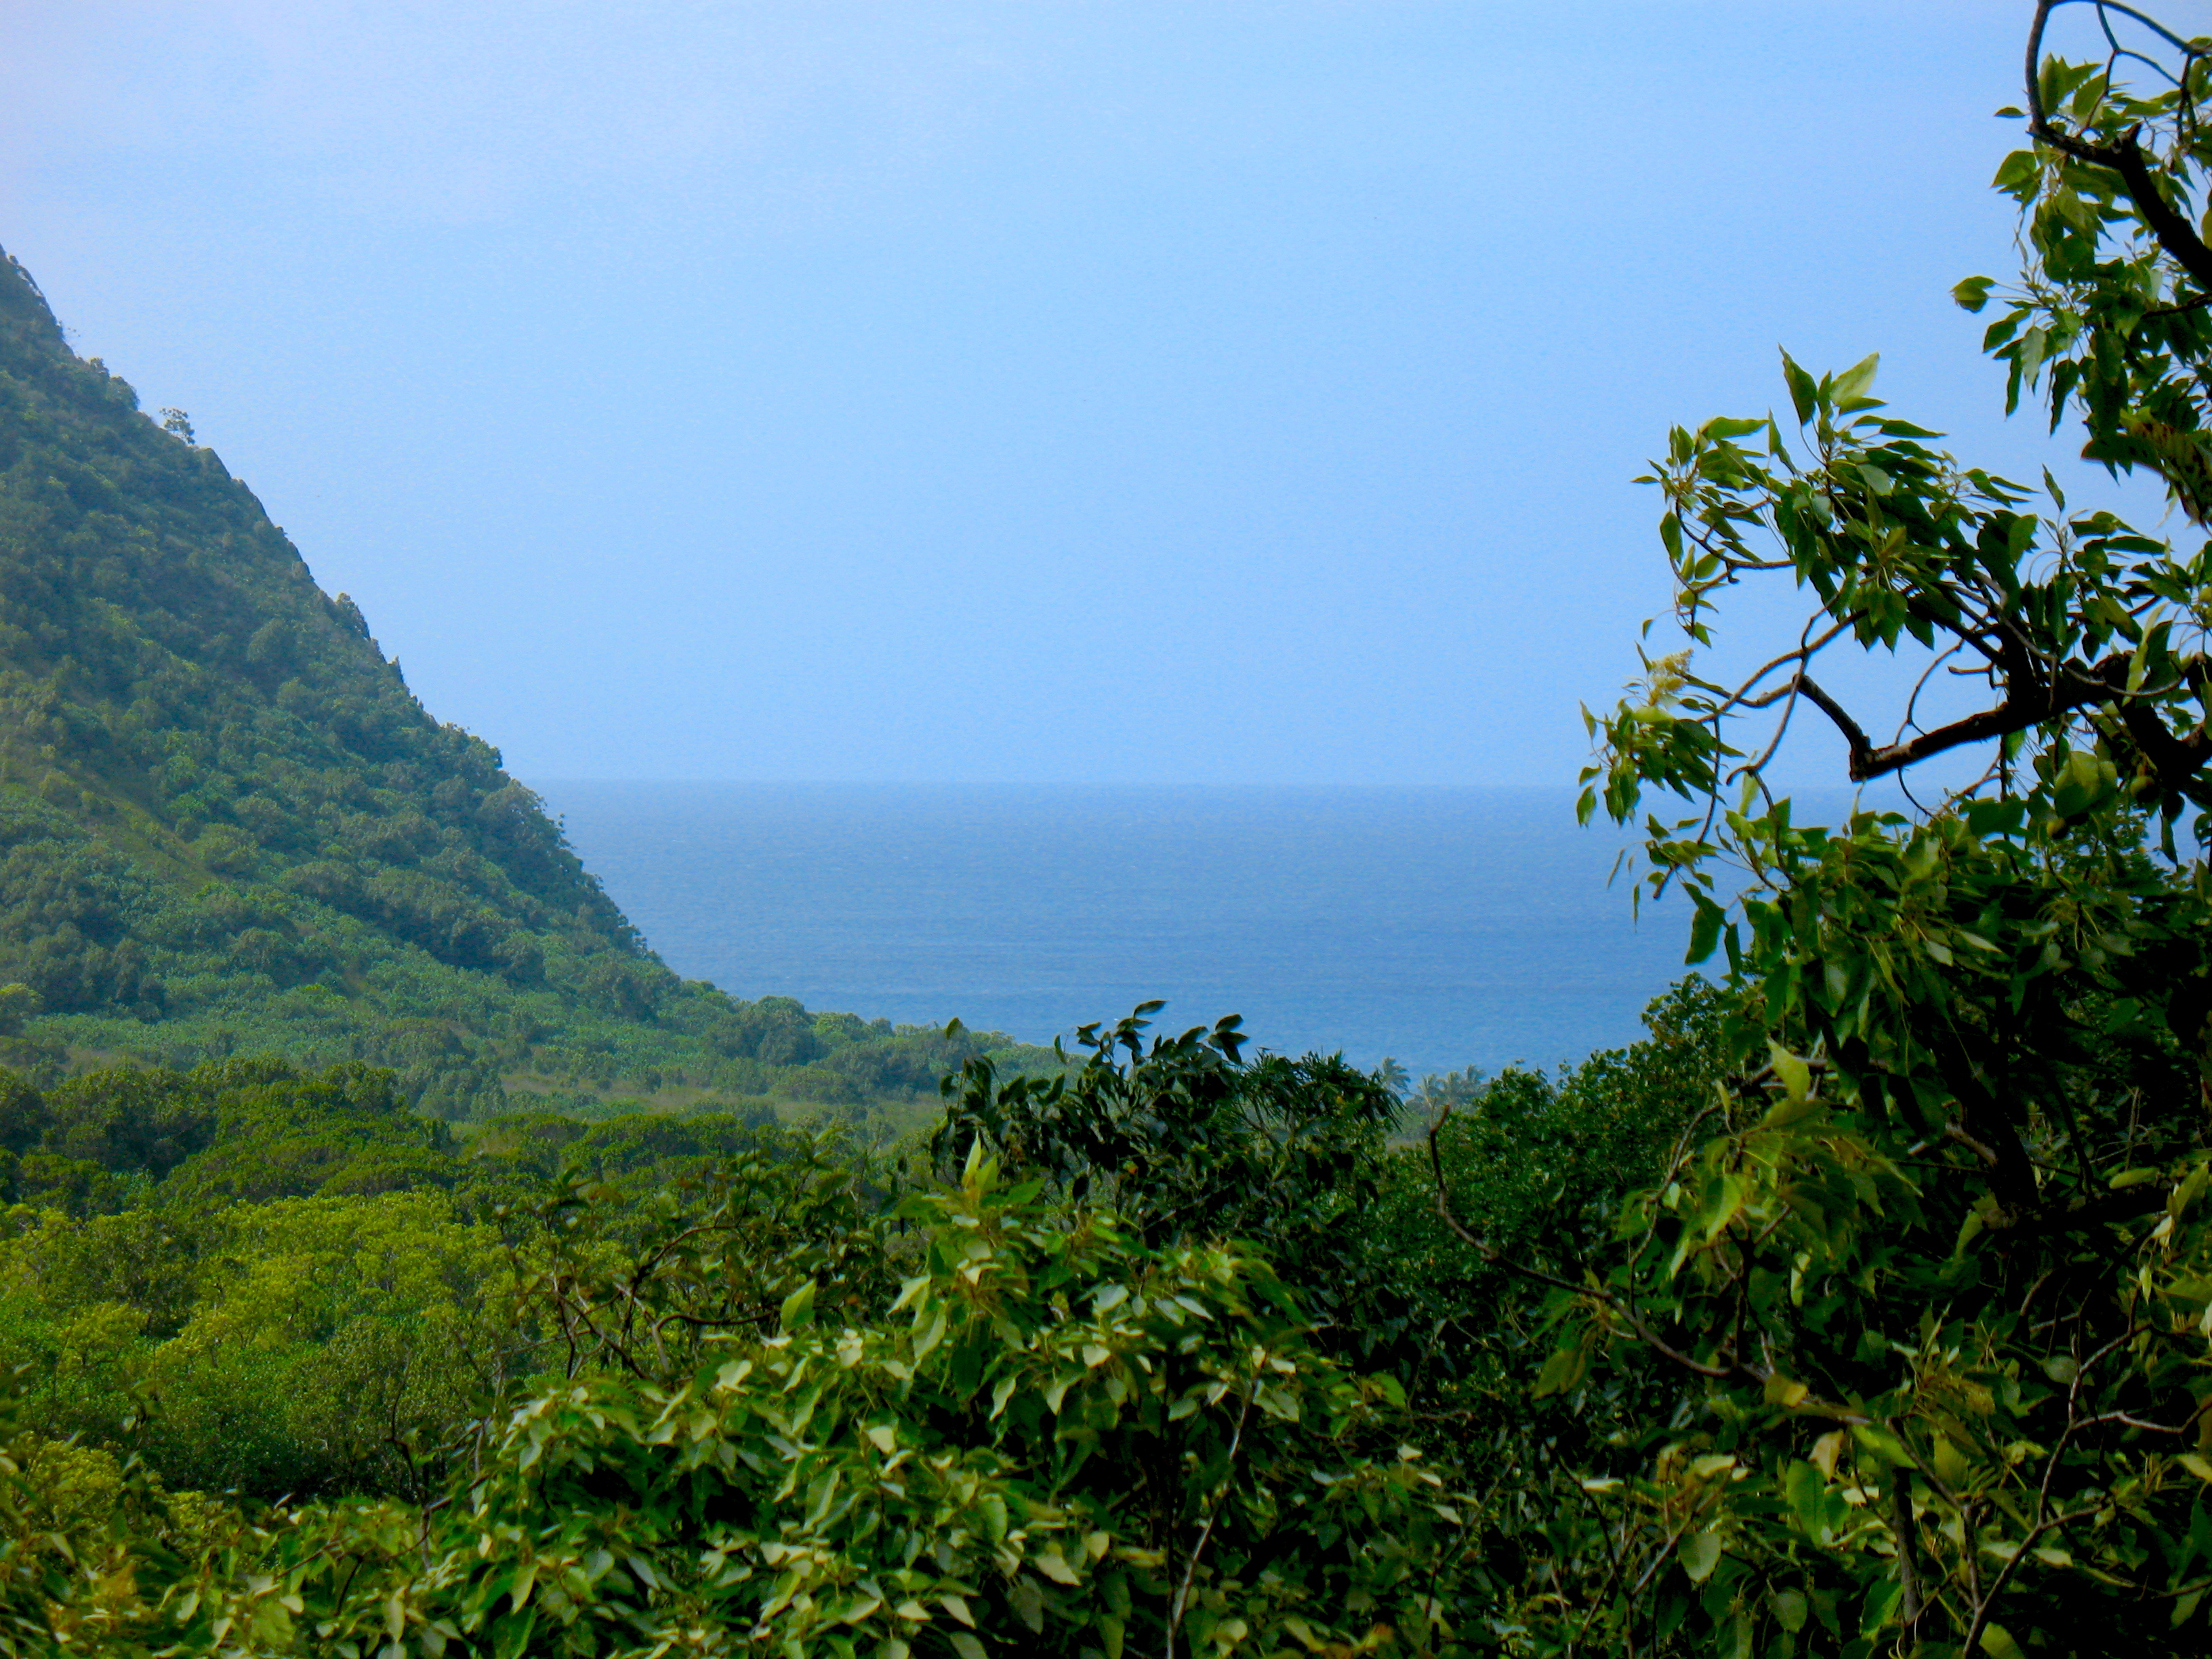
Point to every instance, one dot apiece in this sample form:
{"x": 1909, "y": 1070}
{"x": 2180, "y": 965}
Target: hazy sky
{"x": 1101, "y": 391}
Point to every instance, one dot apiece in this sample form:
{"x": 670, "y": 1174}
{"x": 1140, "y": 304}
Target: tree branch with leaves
{"x": 1931, "y": 1285}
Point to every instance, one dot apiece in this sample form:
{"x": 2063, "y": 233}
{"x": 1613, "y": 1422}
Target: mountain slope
{"x": 226, "y": 825}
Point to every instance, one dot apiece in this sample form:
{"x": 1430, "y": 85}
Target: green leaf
{"x": 1882, "y": 1443}
{"x": 1803, "y": 395}
{"x": 1704, "y": 930}
{"x": 1881, "y": 1603}
{"x": 1806, "y": 1490}
{"x": 1732, "y": 426}
{"x": 1789, "y": 1609}
{"x": 1563, "y": 1369}
{"x": 1853, "y": 381}
{"x": 1998, "y": 1643}
{"x": 511, "y": 1635}
{"x": 967, "y": 1646}
{"x": 1796, "y": 1076}
{"x": 1700, "y": 1553}
{"x": 798, "y": 1311}
{"x": 2017, "y": 170}
{"x": 2178, "y": 1201}
{"x": 1971, "y": 296}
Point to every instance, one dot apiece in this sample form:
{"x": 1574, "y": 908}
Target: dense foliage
{"x": 270, "y": 1280}
{"x": 227, "y": 826}
{"x": 1931, "y": 1285}
{"x": 305, "y": 1372}
{"x": 1862, "y": 1309}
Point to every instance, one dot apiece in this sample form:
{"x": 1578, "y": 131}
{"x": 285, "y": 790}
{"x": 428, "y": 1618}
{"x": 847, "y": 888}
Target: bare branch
{"x": 2172, "y": 228}
{"x": 2029, "y": 701}
{"x": 1835, "y": 711}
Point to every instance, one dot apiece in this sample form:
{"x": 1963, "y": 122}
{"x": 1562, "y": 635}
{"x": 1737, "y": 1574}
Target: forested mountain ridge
{"x": 226, "y": 825}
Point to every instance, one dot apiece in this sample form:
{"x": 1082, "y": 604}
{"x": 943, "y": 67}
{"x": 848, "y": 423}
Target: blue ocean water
{"x": 1441, "y": 927}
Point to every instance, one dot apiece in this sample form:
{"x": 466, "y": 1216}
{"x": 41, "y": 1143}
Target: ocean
{"x": 1440, "y": 927}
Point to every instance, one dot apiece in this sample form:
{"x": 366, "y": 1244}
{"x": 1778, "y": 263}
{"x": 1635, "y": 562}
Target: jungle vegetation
{"x": 1864, "y": 1308}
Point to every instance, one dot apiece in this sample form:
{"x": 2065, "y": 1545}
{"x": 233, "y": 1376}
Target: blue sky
{"x": 1021, "y": 391}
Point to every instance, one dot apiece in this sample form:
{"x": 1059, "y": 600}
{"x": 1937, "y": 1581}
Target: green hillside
{"x": 228, "y": 827}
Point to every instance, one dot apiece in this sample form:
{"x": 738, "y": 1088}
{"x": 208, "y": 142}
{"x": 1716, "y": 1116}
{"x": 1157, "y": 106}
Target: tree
{"x": 1931, "y": 1275}
{"x": 1054, "y": 1439}
{"x": 17, "y": 1003}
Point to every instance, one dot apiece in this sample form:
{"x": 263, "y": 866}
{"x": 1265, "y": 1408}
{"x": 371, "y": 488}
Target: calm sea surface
{"x": 1443, "y": 928}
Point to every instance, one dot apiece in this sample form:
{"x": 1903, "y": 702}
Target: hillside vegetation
{"x": 228, "y": 827}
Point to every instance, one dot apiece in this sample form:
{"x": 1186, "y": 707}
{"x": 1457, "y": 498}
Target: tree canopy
{"x": 1934, "y": 1275}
